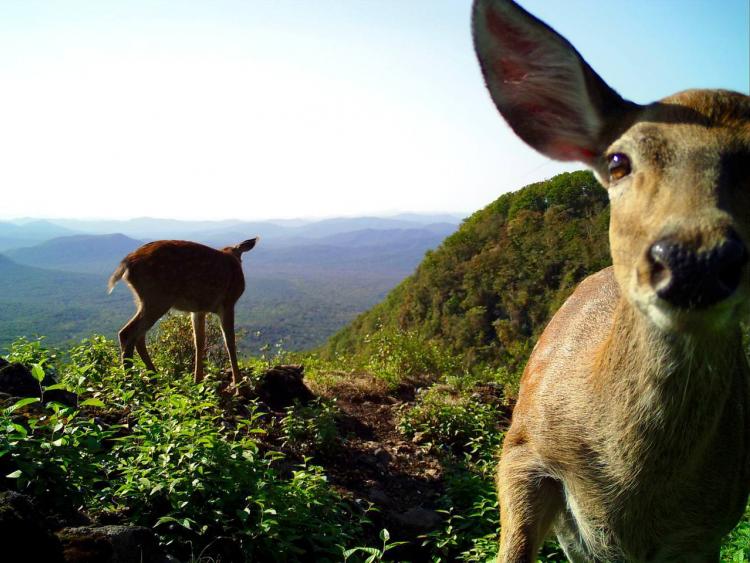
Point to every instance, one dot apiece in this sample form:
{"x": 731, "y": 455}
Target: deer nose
{"x": 690, "y": 279}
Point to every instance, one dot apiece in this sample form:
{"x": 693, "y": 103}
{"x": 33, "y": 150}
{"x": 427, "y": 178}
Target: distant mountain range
{"x": 305, "y": 280}
{"x": 14, "y": 235}
{"x": 18, "y": 233}
{"x": 95, "y": 254}
{"x": 62, "y": 306}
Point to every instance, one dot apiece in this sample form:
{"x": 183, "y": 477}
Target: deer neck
{"x": 666, "y": 392}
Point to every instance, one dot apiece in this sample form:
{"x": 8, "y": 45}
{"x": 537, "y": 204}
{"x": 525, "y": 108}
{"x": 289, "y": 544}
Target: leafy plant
{"x": 397, "y": 356}
{"x": 456, "y": 423}
{"x": 310, "y": 428}
{"x": 29, "y": 352}
{"x": 374, "y": 553}
{"x": 172, "y": 348}
{"x": 53, "y": 453}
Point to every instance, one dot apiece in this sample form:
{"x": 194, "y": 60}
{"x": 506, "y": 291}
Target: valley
{"x": 305, "y": 280}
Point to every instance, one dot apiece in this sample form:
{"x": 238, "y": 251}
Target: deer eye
{"x": 618, "y": 165}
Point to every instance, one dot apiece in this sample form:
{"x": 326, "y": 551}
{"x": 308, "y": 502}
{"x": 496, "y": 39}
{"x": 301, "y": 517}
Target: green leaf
{"x": 15, "y": 475}
{"x": 56, "y": 386}
{"x": 92, "y": 403}
{"x": 17, "y": 428}
{"x": 166, "y": 520}
{"x": 38, "y": 372}
{"x": 22, "y": 403}
{"x": 370, "y": 550}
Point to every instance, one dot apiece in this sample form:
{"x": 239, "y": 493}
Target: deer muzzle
{"x": 694, "y": 279}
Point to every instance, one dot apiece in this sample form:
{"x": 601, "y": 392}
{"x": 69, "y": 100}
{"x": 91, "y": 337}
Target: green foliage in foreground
{"x": 467, "y": 433}
{"x": 167, "y": 456}
{"x": 204, "y": 474}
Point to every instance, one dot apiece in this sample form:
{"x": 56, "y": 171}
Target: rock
{"x": 61, "y": 396}
{"x": 3, "y": 363}
{"x": 16, "y": 380}
{"x": 110, "y": 544}
{"x": 382, "y": 456}
{"x": 378, "y": 496}
{"x": 432, "y": 473}
{"x": 281, "y": 386}
{"x": 419, "y": 520}
{"x": 22, "y": 534}
{"x": 368, "y": 459}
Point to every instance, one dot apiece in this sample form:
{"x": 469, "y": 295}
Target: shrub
{"x": 310, "y": 428}
{"x": 456, "y": 423}
{"x": 90, "y": 362}
{"x": 172, "y": 346}
{"x": 28, "y": 352}
{"x": 397, "y": 356}
{"x": 168, "y": 454}
{"x": 53, "y": 453}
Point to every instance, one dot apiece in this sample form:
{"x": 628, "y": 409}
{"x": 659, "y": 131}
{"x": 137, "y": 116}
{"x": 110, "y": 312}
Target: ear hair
{"x": 542, "y": 86}
{"x": 248, "y": 244}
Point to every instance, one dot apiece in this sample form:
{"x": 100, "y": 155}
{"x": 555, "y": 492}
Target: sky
{"x": 253, "y": 109}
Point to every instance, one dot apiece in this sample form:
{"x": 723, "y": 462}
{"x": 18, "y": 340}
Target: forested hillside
{"x": 485, "y": 294}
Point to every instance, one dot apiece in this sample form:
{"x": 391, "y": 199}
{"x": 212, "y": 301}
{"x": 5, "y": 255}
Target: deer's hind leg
{"x": 133, "y": 335}
{"x": 199, "y": 339}
{"x": 140, "y": 347}
{"x": 128, "y": 337}
{"x": 530, "y": 502}
{"x": 227, "y": 328}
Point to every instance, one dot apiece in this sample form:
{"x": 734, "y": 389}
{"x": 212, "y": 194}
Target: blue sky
{"x": 260, "y": 109}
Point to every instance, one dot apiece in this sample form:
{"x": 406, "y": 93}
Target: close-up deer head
{"x": 605, "y": 449}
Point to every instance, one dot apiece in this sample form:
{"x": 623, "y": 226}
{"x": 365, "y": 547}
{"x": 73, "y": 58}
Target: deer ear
{"x": 246, "y": 245}
{"x": 543, "y": 88}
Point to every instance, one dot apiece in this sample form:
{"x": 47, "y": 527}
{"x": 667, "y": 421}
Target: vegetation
{"x": 168, "y": 456}
{"x": 486, "y": 293}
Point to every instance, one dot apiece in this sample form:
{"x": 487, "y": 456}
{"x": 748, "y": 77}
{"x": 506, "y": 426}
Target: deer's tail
{"x": 117, "y": 276}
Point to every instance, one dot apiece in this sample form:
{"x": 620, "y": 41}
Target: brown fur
{"x": 186, "y": 276}
{"x": 629, "y": 440}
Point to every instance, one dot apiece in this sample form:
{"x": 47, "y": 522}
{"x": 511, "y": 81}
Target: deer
{"x": 186, "y": 276}
{"x": 630, "y": 436}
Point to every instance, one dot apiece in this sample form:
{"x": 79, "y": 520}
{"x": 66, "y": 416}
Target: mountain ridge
{"x": 487, "y": 291}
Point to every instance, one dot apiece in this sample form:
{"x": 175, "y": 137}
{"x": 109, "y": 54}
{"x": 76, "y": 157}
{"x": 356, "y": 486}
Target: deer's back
{"x": 188, "y": 275}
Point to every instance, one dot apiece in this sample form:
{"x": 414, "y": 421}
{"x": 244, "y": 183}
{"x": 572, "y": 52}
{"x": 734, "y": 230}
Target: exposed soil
{"x": 376, "y": 462}
{"x": 374, "y": 465}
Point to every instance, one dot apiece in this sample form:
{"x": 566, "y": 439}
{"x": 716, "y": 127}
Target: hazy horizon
{"x": 383, "y": 215}
{"x": 252, "y": 109}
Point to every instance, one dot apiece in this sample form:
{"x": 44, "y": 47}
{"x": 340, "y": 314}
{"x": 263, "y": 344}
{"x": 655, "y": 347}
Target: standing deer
{"x": 187, "y": 276}
{"x": 630, "y": 439}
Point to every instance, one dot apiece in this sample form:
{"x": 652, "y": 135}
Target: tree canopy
{"x": 487, "y": 292}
